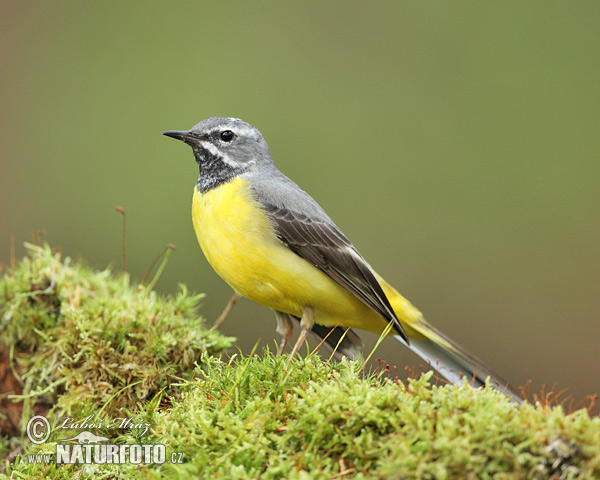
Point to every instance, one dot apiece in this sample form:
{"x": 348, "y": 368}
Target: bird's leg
{"x": 285, "y": 327}
{"x": 228, "y": 307}
{"x": 306, "y": 323}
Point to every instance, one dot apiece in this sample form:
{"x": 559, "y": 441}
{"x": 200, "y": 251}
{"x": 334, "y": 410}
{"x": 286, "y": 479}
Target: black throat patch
{"x": 213, "y": 170}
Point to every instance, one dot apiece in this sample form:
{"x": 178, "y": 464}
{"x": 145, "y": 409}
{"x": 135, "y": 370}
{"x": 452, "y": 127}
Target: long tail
{"x": 443, "y": 354}
{"x": 452, "y": 361}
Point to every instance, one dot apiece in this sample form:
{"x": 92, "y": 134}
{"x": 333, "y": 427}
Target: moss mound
{"x": 85, "y": 342}
{"x": 69, "y": 333}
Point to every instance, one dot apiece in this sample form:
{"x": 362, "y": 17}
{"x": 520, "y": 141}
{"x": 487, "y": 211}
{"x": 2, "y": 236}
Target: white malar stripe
{"x": 218, "y": 153}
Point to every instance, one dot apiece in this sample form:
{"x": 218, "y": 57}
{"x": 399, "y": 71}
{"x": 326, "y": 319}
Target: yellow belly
{"x": 240, "y": 244}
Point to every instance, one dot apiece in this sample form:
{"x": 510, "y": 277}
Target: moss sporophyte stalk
{"x": 97, "y": 355}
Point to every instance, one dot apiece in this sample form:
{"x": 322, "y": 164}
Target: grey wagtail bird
{"x": 274, "y": 244}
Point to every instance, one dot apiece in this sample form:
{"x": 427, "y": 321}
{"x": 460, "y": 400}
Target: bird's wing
{"x": 306, "y": 229}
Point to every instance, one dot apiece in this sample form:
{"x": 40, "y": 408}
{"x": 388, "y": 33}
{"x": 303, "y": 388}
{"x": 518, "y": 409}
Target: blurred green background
{"x": 456, "y": 144}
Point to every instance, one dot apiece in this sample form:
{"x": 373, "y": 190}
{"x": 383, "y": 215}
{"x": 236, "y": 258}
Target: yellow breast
{"x": 239, "y": 241}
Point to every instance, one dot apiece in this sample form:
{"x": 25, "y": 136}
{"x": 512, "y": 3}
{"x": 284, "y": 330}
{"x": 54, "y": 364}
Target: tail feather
{"x": 442, "y": 353}
{"x": 452, "y": 361}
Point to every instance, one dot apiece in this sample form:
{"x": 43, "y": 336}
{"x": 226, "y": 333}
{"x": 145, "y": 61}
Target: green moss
{"x": 257, "y": 417}
{"x": 318, "y": 421}
{"x": 73, "y": 333}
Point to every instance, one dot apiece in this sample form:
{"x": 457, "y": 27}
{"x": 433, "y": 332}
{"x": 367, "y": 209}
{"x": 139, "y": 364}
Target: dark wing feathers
{"x": 319, "y": 241}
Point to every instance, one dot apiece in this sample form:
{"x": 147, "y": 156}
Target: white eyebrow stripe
{"x": 240, "y": 130}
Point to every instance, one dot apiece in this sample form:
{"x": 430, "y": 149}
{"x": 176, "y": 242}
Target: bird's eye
{"x": 227, "y": 135}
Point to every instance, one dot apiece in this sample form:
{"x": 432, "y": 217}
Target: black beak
{"x": 183, "y": 135}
